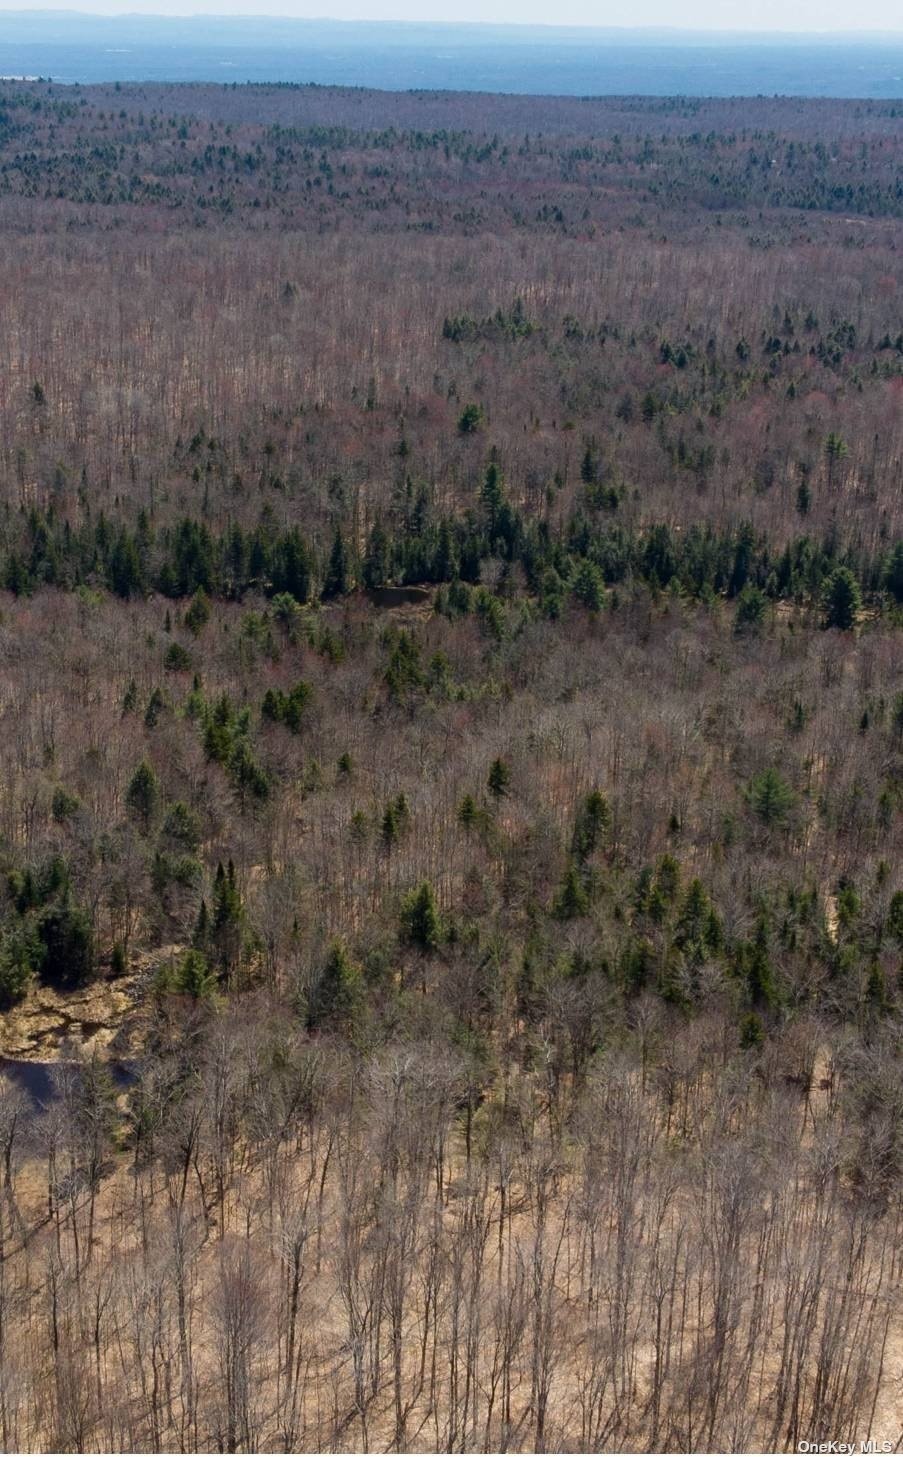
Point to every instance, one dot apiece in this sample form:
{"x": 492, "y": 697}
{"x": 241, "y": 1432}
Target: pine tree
{"x": 226, "y": 921}
{"x": 572, "y": 899}
{"x": 771, "y": 798}
{"x": 593, "y": 819}
{"x": 893, "y": 575}
{"x": 492, "y": 495}
{"x": 337, "y": 996}
{"x": 589, "y": 466}
{"x": 750, "y": 614}
{"x": 843, "y": 600}
{"x": 337, "y": 582}
{"x": 125, "y": 573}
{"x": 197, "y": 613}
{"x": 421, "y": 923}
{"x": 499, "y": 779}
{"x": 67, "y": 939}
{"x": 589, "y": 587}
{"x": 445, "y": 561}
{"x": 471, "y": 419}
{"x": 193, "y": 976}
{"x": 375, "y": 571}
{"x": 143, "y": 796}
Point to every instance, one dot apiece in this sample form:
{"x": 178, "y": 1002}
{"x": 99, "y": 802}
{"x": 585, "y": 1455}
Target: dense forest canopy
{"x": 451, "y": 581}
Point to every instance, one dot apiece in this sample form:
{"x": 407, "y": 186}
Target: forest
{"x": 451, "y": 734}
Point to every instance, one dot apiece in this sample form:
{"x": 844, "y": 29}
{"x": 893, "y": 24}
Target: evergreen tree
{"x": 193, "y": 977}
{"x": 395, "y": 820}
{"x": 197, "y": 614}
{"x": 750, "y": 614}
{"x": 337, "y": 581}
{"x": 589, "y": 466}
{"x": 593, "y": 820}
{"x": 843, "y": 599}
{"x": 125, "y": 572}
{"x": 67, "y": 944}
{"x": 445, "y": 560}
{"x": 492, "y": 495}
{"x": 836, "y": 450}
{"x": 337, "y": 996}
{"x": 181, "y": 829}
{"x": 572, "y": 899}
{"x": 471, "y": 419}
{"x": 143, "y": 796}
{"x": 421, "y": 923}
{"x": 893, "y": 575}
{"x": 771, "y": 798}
{"x": 376, "y": 570}
{"x": 499, "y": 780}
{"x": 291, "y": 571}
{"x": 226, "y": 924}
{"x": 589, "y": 587}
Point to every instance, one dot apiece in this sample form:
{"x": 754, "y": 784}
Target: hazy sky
{"x": 745, "y": 15}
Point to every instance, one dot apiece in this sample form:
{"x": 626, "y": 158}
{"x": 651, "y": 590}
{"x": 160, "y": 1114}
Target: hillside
{"x": 451, "y": 731}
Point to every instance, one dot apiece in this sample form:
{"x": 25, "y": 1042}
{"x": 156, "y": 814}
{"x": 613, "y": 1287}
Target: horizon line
{"x": 74, "y": 13}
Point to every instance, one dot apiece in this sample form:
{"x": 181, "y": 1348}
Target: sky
{"x": 811, "y": 16}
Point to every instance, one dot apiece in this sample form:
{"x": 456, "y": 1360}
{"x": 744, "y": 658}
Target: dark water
{"x": 455, "y": 57}
{"x": 33, "y": 1078}
{"x": 38, "y": 1080}
{"x": 399, "y": 596}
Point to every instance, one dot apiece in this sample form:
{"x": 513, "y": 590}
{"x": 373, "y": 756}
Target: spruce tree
{"x": 421, "y": 923}
{"x": 843, "y": 600}
{"x": 337, "y": 996}
{"x": 337, "y": 581}
{"x": 593, "y": 819}
{"x": 572, "y": 899}
{"x": 499, "y": 780}
{"x": 143, "y": 796}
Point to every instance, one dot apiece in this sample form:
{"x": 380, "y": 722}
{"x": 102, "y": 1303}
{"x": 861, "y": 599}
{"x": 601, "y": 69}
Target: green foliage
{"x": 471, "y": 419}
{"x": 287, "y": 708}
{"x": 197, "y": 613}
{"x": 591, "y": 826}
{"x": 64, "y": 804}
{"x": 589, "y": 586}
{"x": 499, "y": 779}
{"x": 750, "y": 613}
{"x": 66, "y": 936}
{"x": 21, "y": 956}
{"x": 893, "y": 574}
{"x": 337, "y": 996}
{"x": 177, "y": 659}
{"x": 843, "y": 600}
{"x": 752, "y": 964}
{"x": 219, "y": 932}
{"x": 698, "y": 932}
{"x": 226, "y": 735}
{"x": 421, "y": 924}
{"x": 395, "y": 821}
{"x": 142, "y": 796}
{"x": 155, "y": 706}
{"x": 193, "y": 977}
{"x": 404, "y": 674}
{"x": 771, "y": 798}
{"x": 338, "y": 579}
{"x": 895, "y": 918}
{"x": 181, "y": 829}
{"x": 752, "y": 1032}
{"x": 572, "y": 899}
